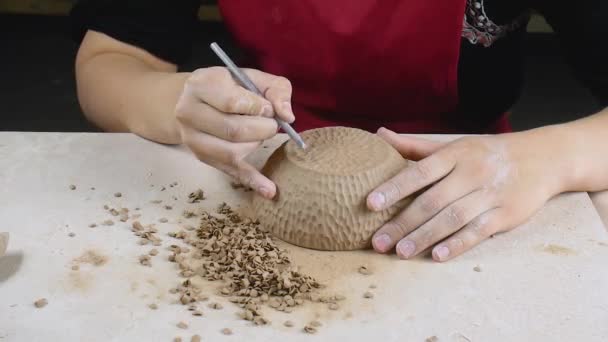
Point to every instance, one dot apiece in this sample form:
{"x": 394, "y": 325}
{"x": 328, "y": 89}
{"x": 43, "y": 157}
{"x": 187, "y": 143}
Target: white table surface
{"x": 546, "y": 280}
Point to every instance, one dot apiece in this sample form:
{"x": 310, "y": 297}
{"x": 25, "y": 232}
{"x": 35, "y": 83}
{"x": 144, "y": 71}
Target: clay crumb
{"x": 368, "y": 295}
{"x": 40, "y": 303}
{"x": 226, "y": 331}
{"x": 177, "y": 339}
{"x": 118, "y": 194}
{"x": 72, "y": 234}
{"x": 195, "y": 338}
{"x": 163, "y": 220}
{"x": 92, "y": 188}
{"x": 364, "y": 270}
{"x": 288, "y": 324}
{"x": 372, "y": 286}
{"x": 92, "y": 225}
{"x": 182, "y": 325}
{"x": 145, "y": 260}
{"x": 153, "y": 252}
{"x": 432, "y": 339}
{"x": 309, "y": 329}
{"x": 156, "y": 201}
{"x": 315, "y": 324}
{"x": 168, "y": 207}
{"x": 72, "y": 187}
{"x": 153, "y": 306}
{"x": 216, "y": 306}
{"x": 108, "y": 223}
{"x": 477, "y": 269}
{"x": 75, "y": 268}
{"x": 196, "y": 196}
{"x": 197, "y": 313}
{"x": 333, "y": 306}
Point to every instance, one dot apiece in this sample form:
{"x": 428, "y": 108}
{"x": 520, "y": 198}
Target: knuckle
{"x": 429, "y": 203}
{"x": 233, "y": 103}
{"x": 423, "y": 170}
{"x": 398, "y": 227}
{"x": 199, "y": 75}
{"x": 457, "y": 216}
{"x": 182, "y": 110}
{"x": 394, "y": 188}
{"x": 233, "y": 131}
{"x": 282, "y": 82}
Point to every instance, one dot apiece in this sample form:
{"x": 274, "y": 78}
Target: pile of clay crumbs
{"x": 252, "y": 269}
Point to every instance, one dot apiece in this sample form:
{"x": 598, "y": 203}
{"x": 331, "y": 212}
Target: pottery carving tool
{"x": 248, "y": 84}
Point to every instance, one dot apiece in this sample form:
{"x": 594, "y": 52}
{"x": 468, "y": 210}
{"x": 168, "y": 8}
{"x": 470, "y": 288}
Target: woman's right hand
{"x": 222, "y": 122}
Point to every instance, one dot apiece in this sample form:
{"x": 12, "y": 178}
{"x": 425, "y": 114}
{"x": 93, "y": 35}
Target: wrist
{"x": 559, "y": 149}
{"x": 154, "y": 114}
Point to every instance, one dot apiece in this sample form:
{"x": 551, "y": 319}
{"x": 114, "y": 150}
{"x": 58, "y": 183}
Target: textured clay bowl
{"x": 322, "y": 191}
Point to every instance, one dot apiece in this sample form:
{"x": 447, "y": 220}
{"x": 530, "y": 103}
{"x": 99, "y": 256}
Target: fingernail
{"x": 405, "y": 248}
{"x": 441, "y": 253}
{"x": 382, "y": 243}
{"x": 289, "y": 111}
{"x": 267, "y": 110}
{"x": 377, "y": 200}
{"x": 264, "y": 191}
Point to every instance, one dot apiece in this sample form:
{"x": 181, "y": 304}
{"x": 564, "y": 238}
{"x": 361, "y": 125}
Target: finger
{"x": 277, "y": 90}
{"x": 229, "y": 158}
{"x": 216, "y": 87}
{"x": 482, "y": 227}
{"x": 411, "y": 179}
{"x": 230, "y": 127}
{"x": 424, "y": 207}
{"x": 410, "y": 147}
{"x": 448, "y": 221}
{"x": 250, "y": 177}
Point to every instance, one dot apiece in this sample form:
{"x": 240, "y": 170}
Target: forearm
{"x": 128, "y": 95}
{"x": 580, "y": 152}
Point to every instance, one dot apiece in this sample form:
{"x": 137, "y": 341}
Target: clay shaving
{"x": 364, "y": 270}
{"x": 196, "y": 196}
{"x": 195, "y": 338}
{"x": 40, "y": 303}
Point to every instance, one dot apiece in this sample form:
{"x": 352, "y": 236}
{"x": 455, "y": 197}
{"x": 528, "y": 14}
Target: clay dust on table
{"x": 92, "y": 257}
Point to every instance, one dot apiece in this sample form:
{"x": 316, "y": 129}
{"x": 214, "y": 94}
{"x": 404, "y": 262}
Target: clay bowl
{"x": 322, "y": 191}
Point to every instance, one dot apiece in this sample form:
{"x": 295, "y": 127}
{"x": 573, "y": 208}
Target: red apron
{"x": 363, "y": 63}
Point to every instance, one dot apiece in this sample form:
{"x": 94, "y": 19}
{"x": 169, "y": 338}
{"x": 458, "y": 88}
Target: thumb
{"x": 410, "y": 147}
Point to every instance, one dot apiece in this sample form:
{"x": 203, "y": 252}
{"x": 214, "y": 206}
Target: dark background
{"x": 37, "y": 88}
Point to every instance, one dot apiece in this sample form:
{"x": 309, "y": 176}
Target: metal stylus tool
{"x": 247, "y": 83}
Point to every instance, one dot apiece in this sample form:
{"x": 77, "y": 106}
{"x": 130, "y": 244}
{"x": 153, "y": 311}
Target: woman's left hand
{"x": 479, "y": 186}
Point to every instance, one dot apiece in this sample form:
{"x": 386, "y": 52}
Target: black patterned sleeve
{"x": 582, "y": 27}
{"x": 164, "y": 28}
